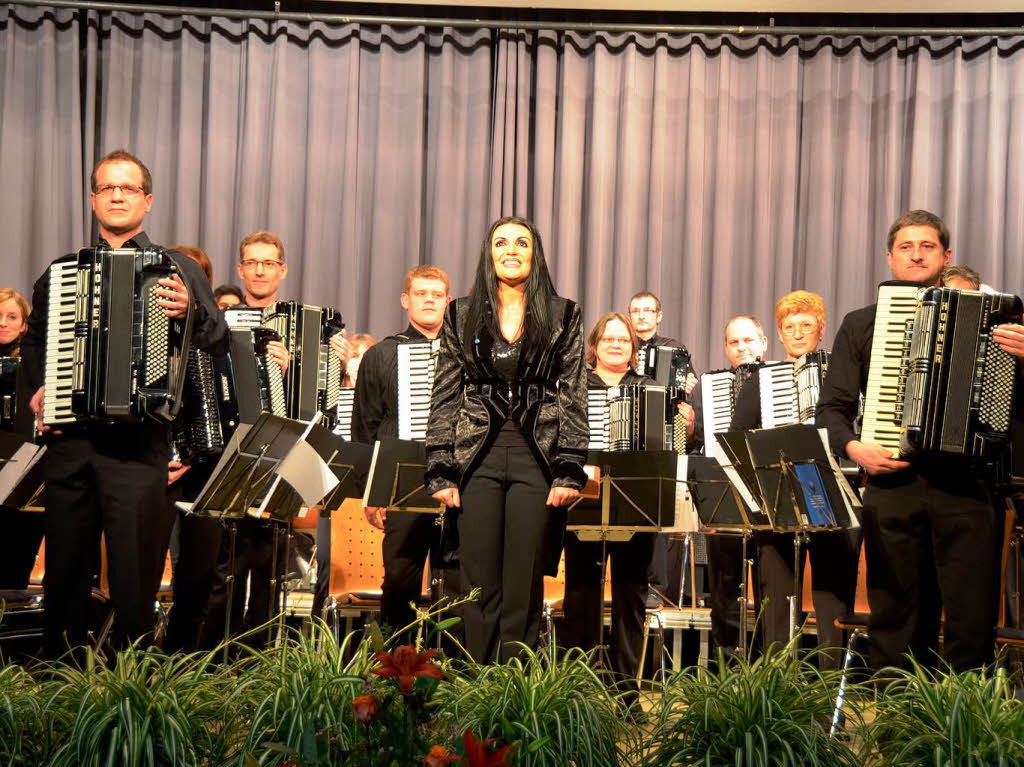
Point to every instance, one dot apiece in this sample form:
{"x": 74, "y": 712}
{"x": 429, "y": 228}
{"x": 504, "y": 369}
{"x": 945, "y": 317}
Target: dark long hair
{"x": 483, "y": 298}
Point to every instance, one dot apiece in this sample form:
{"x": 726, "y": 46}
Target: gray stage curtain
{"x": 718, "y": 171}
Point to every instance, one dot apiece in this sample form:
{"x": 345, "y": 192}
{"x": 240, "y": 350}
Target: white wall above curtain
{"x": 718, "y": 171}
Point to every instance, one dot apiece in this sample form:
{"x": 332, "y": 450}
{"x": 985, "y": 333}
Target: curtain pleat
{"x": 718, "y": 171}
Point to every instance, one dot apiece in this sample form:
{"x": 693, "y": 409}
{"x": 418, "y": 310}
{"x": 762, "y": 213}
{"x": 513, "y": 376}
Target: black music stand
{"x": 722, "y": 510}
{"x": 640, "y": 492}
{"x": 351, "y": 465}
{"x": 396, "y": 478}
{"x": 21, "y": 473}
{"x": 396, "y": 483}
{"x": 267, "y": 471}
{"x": 803, "y": 490}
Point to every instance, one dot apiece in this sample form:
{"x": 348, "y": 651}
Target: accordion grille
{"x": 997, "y": 388}
{"x": 275, "y": 388}
{"x": 157, "y": 326}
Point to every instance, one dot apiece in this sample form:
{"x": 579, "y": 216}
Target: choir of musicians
{"x": 506, "y": 443}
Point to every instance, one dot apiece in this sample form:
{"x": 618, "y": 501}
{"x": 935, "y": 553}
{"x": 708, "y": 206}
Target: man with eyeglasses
{"x": 800, "y": 322}
{"x": 105, "y": 477}
{"x": 262, "y": 268}
{"x": 645, "y": 316}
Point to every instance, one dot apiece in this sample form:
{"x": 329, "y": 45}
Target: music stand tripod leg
{"x": 799, "y": 538}
{"x": 275, "y": 585}
{"x": 440, "y": 580}
{"x": 229, "y": 584}
{"x": 742, "y": 649}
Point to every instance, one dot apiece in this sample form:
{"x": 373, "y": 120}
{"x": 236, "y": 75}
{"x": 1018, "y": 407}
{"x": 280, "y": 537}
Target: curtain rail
{"x": 558, "y": 26}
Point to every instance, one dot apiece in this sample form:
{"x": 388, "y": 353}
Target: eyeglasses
{"x": 127, "y": 190}
{"x": 611, "y": 340}
{"x": 805, "y": 328}
{"x": 642, "y": 310}
{"x": 253, "y": 264}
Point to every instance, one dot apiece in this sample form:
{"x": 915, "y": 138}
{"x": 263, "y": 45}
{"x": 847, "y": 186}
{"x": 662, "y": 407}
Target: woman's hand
{"x": 449, "y": 496}
{"x": 562, "y": 496}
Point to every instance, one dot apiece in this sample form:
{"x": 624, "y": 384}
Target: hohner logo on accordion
{"x": 415, "y": 383}
{"x": 936, "y": 381}
{"x": 111, "y": 352}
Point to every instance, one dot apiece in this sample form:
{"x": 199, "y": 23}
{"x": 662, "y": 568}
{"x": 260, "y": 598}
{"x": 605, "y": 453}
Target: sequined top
{"x": 505, "y": 357}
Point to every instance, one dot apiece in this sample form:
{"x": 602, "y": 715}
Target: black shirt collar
{"x": 413, "y": 333}
{"x": 141, "y": 240}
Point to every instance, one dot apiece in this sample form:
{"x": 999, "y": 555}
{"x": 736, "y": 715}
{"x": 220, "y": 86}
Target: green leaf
{"x": 376, "y": 637}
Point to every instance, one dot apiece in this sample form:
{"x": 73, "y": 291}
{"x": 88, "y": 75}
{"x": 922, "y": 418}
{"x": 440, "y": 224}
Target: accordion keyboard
{"x": 717, "y": 401}
{"x": 60, "y": 368}
{"x": 415, "y": 385}
{"x": 883, "y": 396}
{"x": 597, "y": 417}
{"x": 778, "y": 395}
{"x": 343, "y": 413}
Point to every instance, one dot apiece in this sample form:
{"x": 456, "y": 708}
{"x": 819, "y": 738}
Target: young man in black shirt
{"x": 408, "y": 537}
{"x": 931, "y": 533}
{"x": 112, "y": 477}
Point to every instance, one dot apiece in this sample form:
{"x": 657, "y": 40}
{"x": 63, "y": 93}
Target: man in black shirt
{"x": 408, "y": 537}
{"x": 111, "y": 477}
{"x": 931, "y": 533}
{"x": 745, "y": 343}
{"x": 645, "y": 316}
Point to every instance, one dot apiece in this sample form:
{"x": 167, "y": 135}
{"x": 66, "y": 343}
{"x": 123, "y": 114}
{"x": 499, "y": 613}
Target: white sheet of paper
{"x": 307, "y": 473}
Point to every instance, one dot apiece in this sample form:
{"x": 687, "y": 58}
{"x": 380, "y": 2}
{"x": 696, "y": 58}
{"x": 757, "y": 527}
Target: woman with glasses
{"x": 612, "y": 356}
{"x": 507, "y": 435}
{"x": 800, "y": 322}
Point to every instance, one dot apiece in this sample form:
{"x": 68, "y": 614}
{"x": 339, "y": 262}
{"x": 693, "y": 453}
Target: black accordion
{"x": 313, "y": 381}
{"x": 632, "y": 417}
{"x": 937, "y": 382}
{"x": 9, "y": 367}
{"x": 249, "y": 382}
{"x": 790, "y": 391}
{"x": 111, "y": 353}
{"x": 667, "y": 365}
{"x": 197, "y": 433}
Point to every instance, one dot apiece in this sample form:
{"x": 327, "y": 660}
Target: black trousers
{"x": 584, "y": 596}
{"x": 111, "y": 482}
{"x": 833, "y": 558}
{"x": 725, "y": 554}
{"x": 253, "y": 572}
{"x": 666, "y": 569}
{"x": 409, "y": 538}
{"x": 931, "y": 543}
{"x": 19, "y": 544}
{"x": 503, "y": 531}
{"x": 199, "y": 545}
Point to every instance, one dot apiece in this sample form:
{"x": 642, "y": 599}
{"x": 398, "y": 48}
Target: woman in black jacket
{"x": 507, "y": 435}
